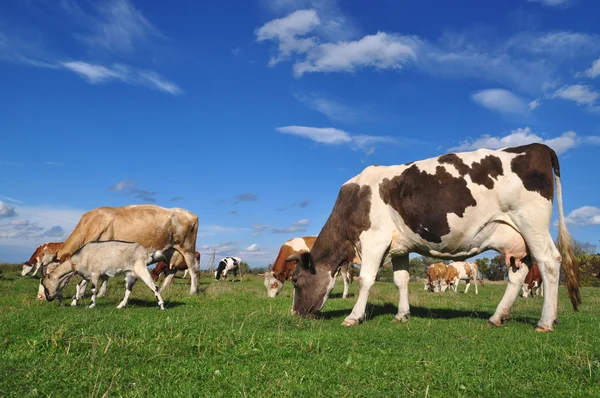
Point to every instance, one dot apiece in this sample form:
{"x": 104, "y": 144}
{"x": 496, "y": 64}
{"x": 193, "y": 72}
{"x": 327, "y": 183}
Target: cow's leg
{"x": 373, "y": 249}
{"x": 194, "y": 268}
{"x": 476, "y": 291}
{"x": 130, "y": 280}
{"x": 102, "y": 292}
{"x": 401, "y": 277}
{"x": 41, "y": 295}
{"x": 525, "y": 290}
{"x": 185, "y": 273}
{"x": 79, "y": 291}
{"x": 142, "y": 273}
{"x": 95, "y": 279}
{"x": 516, "y": 276}
{"x": 468, "y": 281}
{"x": 346, "y": 279}
{"x": 167, "y": 280}
{"x": 37, "y": 267}
{"x": 542, "y": 289}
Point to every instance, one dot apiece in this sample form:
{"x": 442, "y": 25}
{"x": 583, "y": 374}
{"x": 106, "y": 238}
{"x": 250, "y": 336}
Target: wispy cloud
{"x": 176, "y": 199}
{"x": 116, "y": 26}
{"x": 552, "y": 3}
{"x": 333, "y": 136}
{"x": 594, "y": 71}
{"x": 128, "y": 187}
{"x": 298, "y": 226}
{"x": 13, "y": 200}
{"x": 586, "y": 215}
{"x": 97, "y": 74}
{"x": 561, "y": 144}
{"x": 502, "y": 101}
{"x": 6, "y": 210}
{"x": 245, "y": 197}
{"x": 578, "y": 93}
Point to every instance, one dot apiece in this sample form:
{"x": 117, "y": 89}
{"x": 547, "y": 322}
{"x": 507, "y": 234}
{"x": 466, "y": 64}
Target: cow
{"x": 168, "y": 230}
{"x": 462, "y": 271}
{"x": 35, "y": 260}
{"x": 533, "y": 282}
{"x": 282, "y": 269}
{"x": 228, "y": 264}
{"x": 177, "y": 264}
{"x": 104, "y": 258}
{"x": 436, "y": 275}
{"x": 454, "y": 206}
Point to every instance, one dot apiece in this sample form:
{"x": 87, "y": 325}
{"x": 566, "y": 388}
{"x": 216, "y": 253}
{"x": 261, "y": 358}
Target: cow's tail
{"x": 565, "y": 246}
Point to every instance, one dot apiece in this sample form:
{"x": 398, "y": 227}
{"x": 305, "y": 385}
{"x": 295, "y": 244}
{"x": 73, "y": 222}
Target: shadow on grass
{"x": 152, "y": 303}
{"x": 375, "y": 310}
{"x": 339, "y": 295}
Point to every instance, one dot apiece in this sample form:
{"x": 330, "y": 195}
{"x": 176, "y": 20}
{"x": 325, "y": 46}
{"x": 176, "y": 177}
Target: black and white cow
{"x": 451, "y": 207}
{"x": 226, "y": 265}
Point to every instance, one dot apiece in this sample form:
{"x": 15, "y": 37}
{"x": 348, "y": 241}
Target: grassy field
{"x": 231, "y": 340}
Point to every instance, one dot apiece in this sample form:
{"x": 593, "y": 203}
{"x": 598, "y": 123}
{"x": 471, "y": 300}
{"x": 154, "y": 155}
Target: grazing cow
{"x": 282, "y": 269}
{"x": 228, "y": 264}
{"x": 454, "y": 206}
{"x": 154, "y": 227}
{"x": 106, "y": 258}
{"x": 533, "y": 282}
{"x": 177, "y": 264}
{"x": 436, "y": 275}
{"x": 462, "y": 271}
{"x": 36, "y": 258}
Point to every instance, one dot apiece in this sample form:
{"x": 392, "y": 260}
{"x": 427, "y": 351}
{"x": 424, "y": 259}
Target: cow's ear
{"x": 64, "y": 257}
{"x": 306, "y": 260}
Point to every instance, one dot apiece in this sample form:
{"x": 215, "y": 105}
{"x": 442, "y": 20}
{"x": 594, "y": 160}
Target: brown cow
{"x": 533, "y": 282}
{"x": 282, "y": 270}
{"x": 436, "y": 275}
{"x": 158, "y": 229}
{"x": 462, "y": 270}
{"x": 36, "y": 258}
{"x": 177, "y": 264}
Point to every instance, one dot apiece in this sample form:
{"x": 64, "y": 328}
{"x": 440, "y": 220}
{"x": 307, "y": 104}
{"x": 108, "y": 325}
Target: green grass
{"x": 231, "y": 340}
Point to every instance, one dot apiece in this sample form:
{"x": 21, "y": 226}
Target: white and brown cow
{"x": 462, "y": 271}
{"x": 533, "y": 282}
{"x": 168, "y": 230}
{"x": 436, "y": 276}
{"x": 282, "y": 270}
{"x": 452, "y": 207}
{"x": 34, "y": 262}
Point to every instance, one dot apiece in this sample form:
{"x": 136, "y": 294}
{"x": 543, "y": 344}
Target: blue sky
{"x": 252, "y": 114}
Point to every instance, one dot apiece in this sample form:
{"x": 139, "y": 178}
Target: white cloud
{"x": 333, "y": 136}
{"x": 253, "y": 248}
{"x": 333, "y": 109}
{"x": 500, "y": 100}
{"x": 578, "y": 93}
{"x": 11, "y": 199}
{"x": 6, "y": 210}
{"x": 118, "y": 26}
{"x": 586, "y": 215}
{"x": 96, "y": 74}
{"x": 594, "y": 70}
{"x": 128, "y": 187}
{"x": 298, "y": 226}
{"x": 519, "y": 137}
{"x": 304, "y": 221}
{"x": 122, "y": 185}
{"x": 533, "y": 105}
{"x": 551, "y": 3}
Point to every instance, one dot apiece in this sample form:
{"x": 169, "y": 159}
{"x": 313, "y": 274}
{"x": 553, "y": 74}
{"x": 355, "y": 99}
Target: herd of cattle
{"x": 451, "y": 207}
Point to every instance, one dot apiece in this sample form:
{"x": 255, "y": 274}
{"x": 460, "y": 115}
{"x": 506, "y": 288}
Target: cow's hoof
{"x": 544, "y": 329}
{"x": 403, "y": 318}
{"x": 73, "y": 303}
{"x": 350, "y": 322}
{"x": 491, "y": 324}
{"x": 92, "y": 306}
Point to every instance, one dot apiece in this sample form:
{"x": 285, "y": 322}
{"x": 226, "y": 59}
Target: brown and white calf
{"x": 106, "y": 258}
{"x": 462, "y": 271}
{"x": 436, "y": 276}
{"x": 177, "y": 264}
{"x": 453, "y": 206}
{"x": 533, "y": 282}
{"x": 282, "y": 270}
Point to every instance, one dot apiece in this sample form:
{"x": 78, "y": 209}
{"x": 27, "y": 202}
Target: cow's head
{"x": 27, "y": 268}
{"x": 55, "y": 277}
{"x": 272, "y": 284}
{"x": 221, "y": 271}
{"x": 312, "y": 285}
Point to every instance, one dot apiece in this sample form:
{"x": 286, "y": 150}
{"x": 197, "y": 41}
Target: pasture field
{"x": 231, "y": 340}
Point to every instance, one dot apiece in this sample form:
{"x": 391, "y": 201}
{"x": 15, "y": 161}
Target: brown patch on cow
{"x": 38, "y": 254}
{"x": 468, "y": 269}
{"x": 451, "y": 274}
{"x": 64, "y": 257}
{"x": 482, "y": 173}
{"x": 453, "y": 159}
{"x": 283, "y": 270}
{"x": 350, "y": 216}
{"x": 424, "y": 200}
{"x": 534, "y": 166}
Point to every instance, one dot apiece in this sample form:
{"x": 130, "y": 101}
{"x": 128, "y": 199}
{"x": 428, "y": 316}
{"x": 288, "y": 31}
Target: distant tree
{"x": 497, "y": 269}
{"x": 417, "y": 267}
{"x": 244, "y": 268}
{"x": 483, "y": 264}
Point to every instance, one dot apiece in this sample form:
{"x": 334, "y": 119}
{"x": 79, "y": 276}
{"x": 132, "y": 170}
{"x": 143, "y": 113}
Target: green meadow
{"x": 231, "y": 340}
